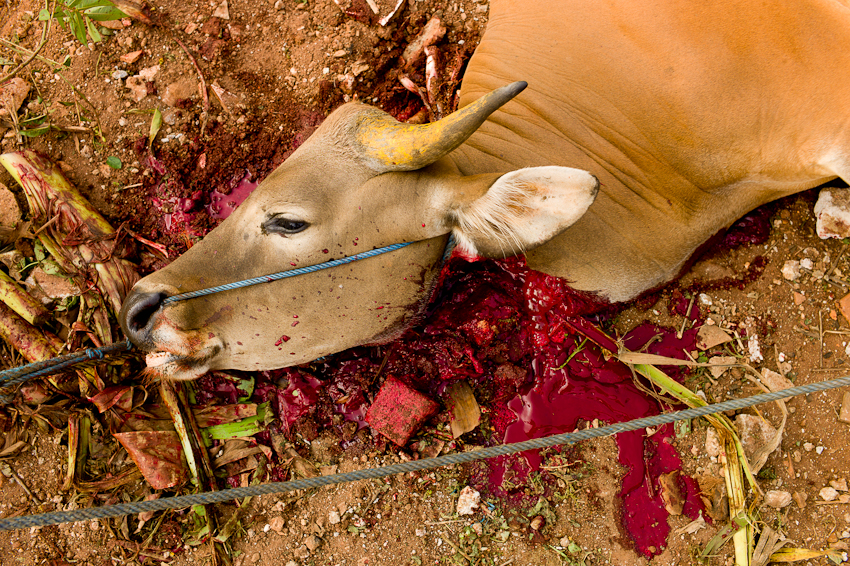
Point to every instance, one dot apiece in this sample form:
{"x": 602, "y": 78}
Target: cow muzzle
{"x": 137, "y": 317}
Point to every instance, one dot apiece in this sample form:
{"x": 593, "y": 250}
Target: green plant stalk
{"x": 50, "y": 195}
{"x": 170, "y": 398}
{"x": 735, "y": 468}
{"x": 17, "y": 299}
{"x": 246, "y": 427}
{"x": 33, "y": 344}
{"x": 688, "y": 397}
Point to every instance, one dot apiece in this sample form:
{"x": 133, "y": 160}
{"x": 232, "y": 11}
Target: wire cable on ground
{"x": 183, "y": 501}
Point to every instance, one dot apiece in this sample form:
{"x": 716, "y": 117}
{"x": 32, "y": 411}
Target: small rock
{"x": 148, "y": 73}
{"x": 179, "y": 90}
{"x": 137, "y": 86}
{"x": 832, "y": 211}
{"x": 756, "y": 433}
{"x": 222, "y": 11}
{"x": 799, "y": 298}
{"x": 312, "y": 542}
{"x": 839, "y": 485}
{"x": 132, "y": 56}
{"x": 276, "y": 524}
{"x": 828, "y": 493}
{"x": 359, "y": 67}
{"x": 807, "y": 263}
{"x": 712, "y": 443}
{"x": 430, "y": 34}
{"x": 399, "y": 410}
{"x": 278, "y": 5}
{"x": 721, "y": 364}
{"x": 777, "y": 499}
{"x": 800, "y": 499}
{"x": 120, "y": 75}
{"x": 292, "y": 563}
{"x": 334, "y": 518}
{"x": 844, "y": 414}
{"x": 791, "y": 270}
{"x": 420, "y": 532}
{"x": 710, "y": 336}
{"x": 468, "y": 501}
{"x": 775, "y": 381}
{"x": 122, "y": 122}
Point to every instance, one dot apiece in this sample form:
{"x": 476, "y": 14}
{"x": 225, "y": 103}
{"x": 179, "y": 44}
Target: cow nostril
{"x": 137, "y": 315}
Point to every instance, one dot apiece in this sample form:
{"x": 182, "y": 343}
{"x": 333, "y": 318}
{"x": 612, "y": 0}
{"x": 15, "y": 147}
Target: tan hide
{"x": 690, "y": 114}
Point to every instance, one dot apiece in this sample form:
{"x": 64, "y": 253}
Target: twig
{"x": 446, "y": 522}
{"x": 835, "y": 262}
{"x": 203, "y": 86}
{"x": 458, "y": 550}
{"x": 21, "y": 483}
{"x": 820, "y": 336}
{"x": 44, "y": 31}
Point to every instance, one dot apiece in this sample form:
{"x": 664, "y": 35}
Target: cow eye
{"x": 284, "y": 225}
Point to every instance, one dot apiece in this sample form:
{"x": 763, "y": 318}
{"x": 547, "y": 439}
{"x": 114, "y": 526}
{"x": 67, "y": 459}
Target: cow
{"x": 676, "y": 117}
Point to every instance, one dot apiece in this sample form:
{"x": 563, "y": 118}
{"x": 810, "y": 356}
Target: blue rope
{"x": 210, "y": 497}
{"x": 282, "y": 274}
{"x": 17, "y": 375}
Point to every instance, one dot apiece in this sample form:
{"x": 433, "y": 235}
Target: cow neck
{"x": 450, "y": 245}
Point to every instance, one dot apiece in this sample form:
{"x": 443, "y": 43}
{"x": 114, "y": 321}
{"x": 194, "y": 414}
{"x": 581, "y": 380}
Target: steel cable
{"x": 183, "y": 501}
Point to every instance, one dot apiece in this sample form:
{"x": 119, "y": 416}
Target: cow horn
{"x": 390, "y": 145}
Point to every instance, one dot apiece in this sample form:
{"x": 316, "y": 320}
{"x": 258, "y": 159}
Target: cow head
{"x": 362, "y": 181}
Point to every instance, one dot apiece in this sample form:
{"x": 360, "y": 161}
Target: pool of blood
{"x": 222, "y": 205}
{"x": 519, "y": 337}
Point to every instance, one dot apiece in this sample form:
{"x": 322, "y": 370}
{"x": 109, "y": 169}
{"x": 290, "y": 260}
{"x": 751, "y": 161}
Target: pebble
{"x": 276, "y": 524}
{"x": 777, "y": 499}
{"x": 839, "y": 485}
{"x": 828, "y": 493}
{"x": 800, "y": 499}
{"x": 468, "y": 501}
{"x": 808, "y": 446}
{"x": 791, "y": 270}
{"x": 120, "y": 75}
{"x": 806, "y": 263}
{"x": 334, "y": 518}
{"x": 844, "y": 414}
{"x": 122, "y": 122}
{"x": 312, "y": 542}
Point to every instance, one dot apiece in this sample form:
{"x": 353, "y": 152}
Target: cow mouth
{"x": 180, "y": 367}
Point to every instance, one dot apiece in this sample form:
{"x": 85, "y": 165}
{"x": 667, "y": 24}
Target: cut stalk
{"x": 17, "y": 299}
{"x": 33, "y": 344}
{"x": 93, "y": 248}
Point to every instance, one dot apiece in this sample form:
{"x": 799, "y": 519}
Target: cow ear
{"x": 522, "y": 210}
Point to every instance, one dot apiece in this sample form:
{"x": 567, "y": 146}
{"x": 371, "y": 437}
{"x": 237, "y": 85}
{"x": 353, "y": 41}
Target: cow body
{"x": 689, "y": 116}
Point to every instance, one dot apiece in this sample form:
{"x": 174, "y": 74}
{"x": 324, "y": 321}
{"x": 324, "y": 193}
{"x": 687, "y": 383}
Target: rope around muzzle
{"x": 284, "y": 274}
{"x": 14, "y": 376}
{"x": 184, "y": 501}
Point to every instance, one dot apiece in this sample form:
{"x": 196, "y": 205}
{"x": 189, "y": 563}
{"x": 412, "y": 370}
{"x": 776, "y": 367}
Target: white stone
{"x": 828, "y": 493}
{"x": 468, "y": 501}
{"x": 833, "y": 213}
{"x": 791, "y": 270}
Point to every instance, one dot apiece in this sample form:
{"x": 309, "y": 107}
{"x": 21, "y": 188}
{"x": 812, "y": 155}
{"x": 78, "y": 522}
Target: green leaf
{"x": 105, "y": 13}
{"x": 114, "y": 162}
{"x": 156, "y": 124}
{"x": 43, "y": 15}
{"x": 93, "y": 33}
{"x": 35, "y": 132}
{"x": 78, "y": 27}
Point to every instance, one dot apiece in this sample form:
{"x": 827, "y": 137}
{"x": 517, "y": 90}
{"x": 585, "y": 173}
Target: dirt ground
{"x": 278, "y": 68}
